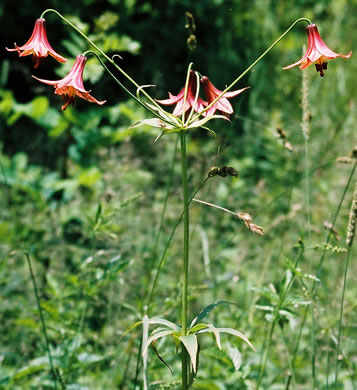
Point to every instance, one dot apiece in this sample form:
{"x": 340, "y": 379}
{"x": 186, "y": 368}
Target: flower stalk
{"x": 81, "y": 33}
{"x": 185, "y": 263}
{"x": 252, "y": 66}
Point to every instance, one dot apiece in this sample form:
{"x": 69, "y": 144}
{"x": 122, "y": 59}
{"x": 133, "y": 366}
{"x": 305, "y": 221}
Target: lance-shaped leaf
{"x": 191, "y": 345}
{"x": 153, "y": 122}
{"x": 155, "y": 337}
{"x": 210, "y": 130}
{"x": 203, "y": 121}
{"x": 207, "y": 310}
{"x": 175, "y": 121}
{"x": 235, "y": 356}
{"x": 217, "y": 335}
{"x": 159, "y": 356}
{"x": 230, "y": 331}
{"x": 151, "y": 321}
{"x": 145, "y": 355}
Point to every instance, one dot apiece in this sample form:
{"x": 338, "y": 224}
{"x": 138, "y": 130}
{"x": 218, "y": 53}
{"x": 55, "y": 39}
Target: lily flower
{"x": 190, "y": 98}
{"x": 72, "y": 85}
{"x": 221, "y": 104}
{"x": 317, "y": 52}
{"x": 38, "y": 45}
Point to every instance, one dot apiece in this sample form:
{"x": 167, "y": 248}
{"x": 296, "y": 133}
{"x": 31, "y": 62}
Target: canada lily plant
{"x": 190, "y": 111}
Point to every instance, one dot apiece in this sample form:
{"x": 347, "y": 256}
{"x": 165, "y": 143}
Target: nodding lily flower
{"x": 190, "y": 98}
{"x": 38, "y": 45}
{"x": 221, "y": 104}
{"x": 317, "y": 52}
{"x": 72, "y": 85}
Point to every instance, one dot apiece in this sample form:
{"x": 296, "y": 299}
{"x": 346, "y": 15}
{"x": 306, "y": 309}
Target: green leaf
{"x": 162, "y": 321}
{"x": 207, "y": 310}
{"x": 38, "y": 107}
{"x": 35, "y": 365}
{"x": 161, "y": 359}
{"x": 151, "y": 321}
{"x": 230, "y": 331}
{"x": 215, "y": 331}
{"x": 176, "y": 122}
{"x": 197, "y": 327}
{"x": 154, "y": 122}
{"x": 235, "y": 355}
{"x": 209, "y": 130}
{"x": 28, "y": 322}
{"x": 201, "y": 122}
{"x": 155, "y": 337}
{"x": 89, "y": 358}
{"x": 191, "y": 345}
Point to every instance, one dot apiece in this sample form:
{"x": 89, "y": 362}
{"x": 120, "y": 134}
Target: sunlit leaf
{"x": 230, "y": 331}
{"x": 235, "y": 355}
{"x": 203, "y": 121}
{"x": 155, "y": 337}
{"x": 191, "y": 345}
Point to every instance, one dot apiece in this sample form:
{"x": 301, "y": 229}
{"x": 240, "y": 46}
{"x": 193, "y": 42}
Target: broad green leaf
{"x": 38, "y": 107}
{"x": 28, "y": 322}
{"x": 89, "y": 358}
{"x": 35, "y": 365}
{"x": 89, "y": 176}
{"x": 191, "y": 345}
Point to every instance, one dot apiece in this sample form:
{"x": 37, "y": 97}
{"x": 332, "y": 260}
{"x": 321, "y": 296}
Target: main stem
{"x": 185, "y": 255}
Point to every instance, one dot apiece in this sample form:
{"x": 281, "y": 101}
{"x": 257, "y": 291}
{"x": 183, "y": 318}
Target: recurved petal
{"x": 49, "y": 82}
{"x": 172, "y": 98}
{"x": 234, "y": 93}
{"x": 90, "y": 98}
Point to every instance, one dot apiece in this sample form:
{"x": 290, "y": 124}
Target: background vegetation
{"x": 83, "y": 194}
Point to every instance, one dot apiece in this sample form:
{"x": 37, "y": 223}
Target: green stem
{"x": 163, "y": 212}
{"x": 163, "y": 256}
{"x": 185, "y": 256}
{"x": 341, "y": 312}
{"x": 251, "y": 66}
{"x": 42, "y": 319}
